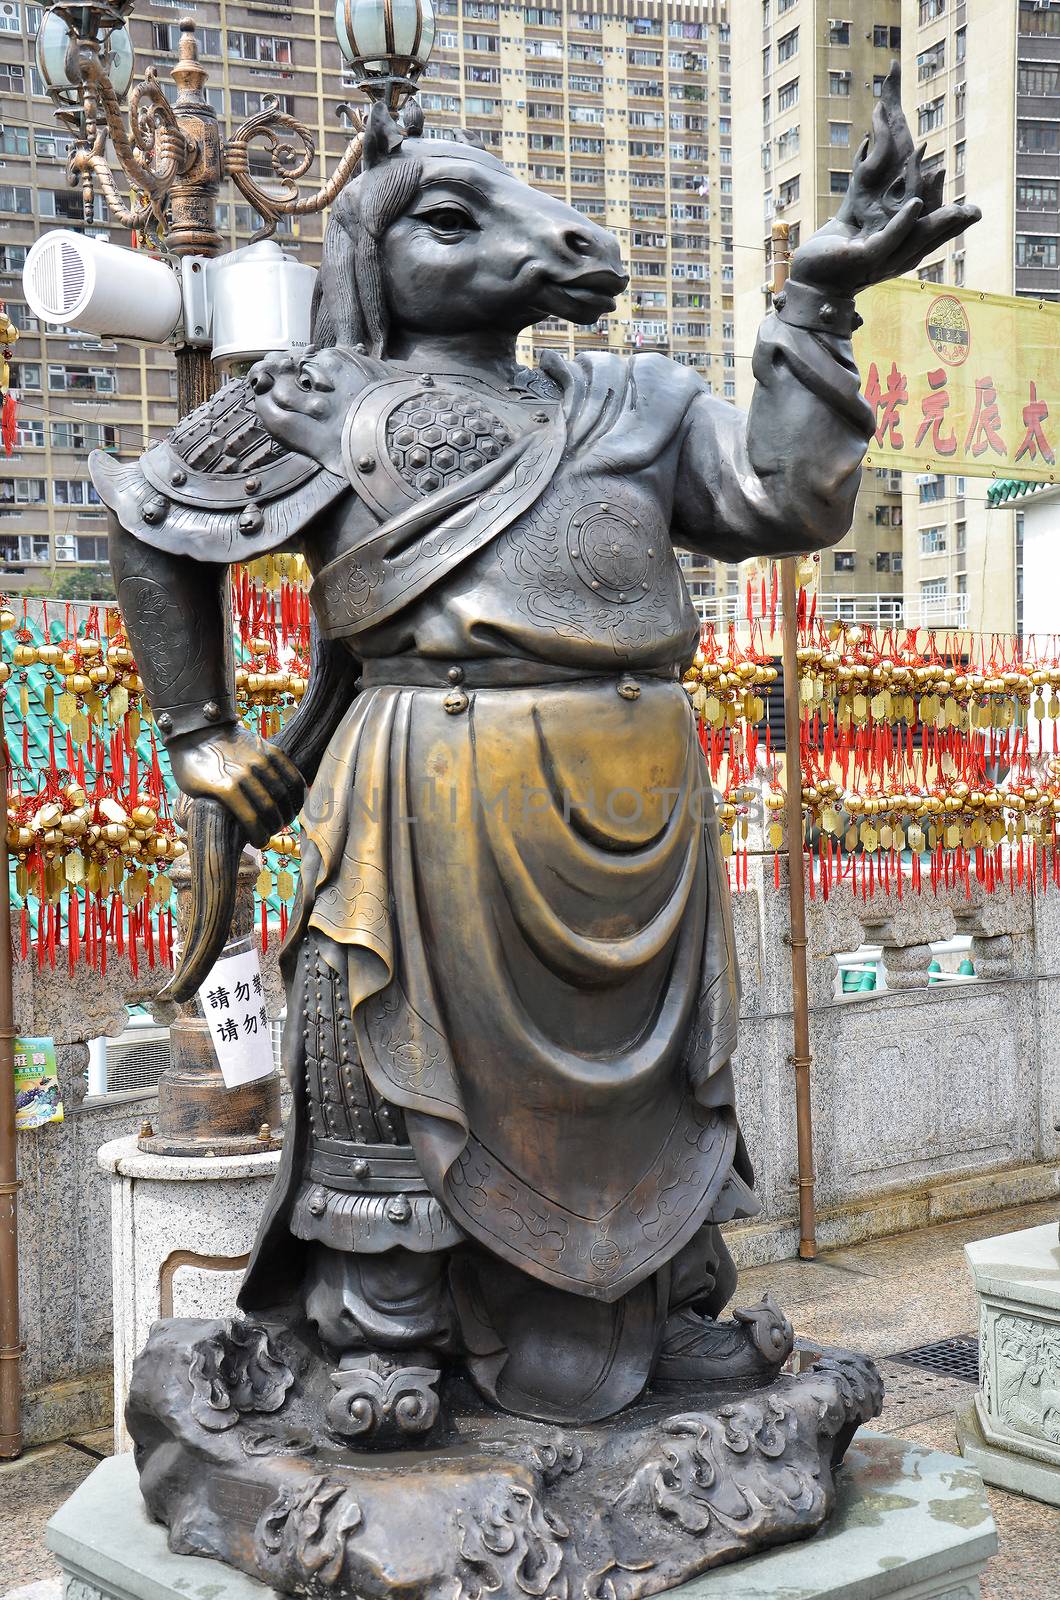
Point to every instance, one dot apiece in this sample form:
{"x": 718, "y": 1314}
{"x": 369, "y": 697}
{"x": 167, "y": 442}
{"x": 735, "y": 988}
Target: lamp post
{"x": 176, "y": 156}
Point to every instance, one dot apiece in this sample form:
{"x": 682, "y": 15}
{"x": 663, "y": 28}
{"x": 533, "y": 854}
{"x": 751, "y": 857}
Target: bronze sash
{"x": 419, "y": 547}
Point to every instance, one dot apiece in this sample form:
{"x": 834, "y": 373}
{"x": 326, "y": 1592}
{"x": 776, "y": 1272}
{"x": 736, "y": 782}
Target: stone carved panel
{"x": 1025, "y": 1376}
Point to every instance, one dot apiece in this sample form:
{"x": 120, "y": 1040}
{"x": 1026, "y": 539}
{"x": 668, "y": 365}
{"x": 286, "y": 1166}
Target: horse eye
{"x": 449, "y": 219}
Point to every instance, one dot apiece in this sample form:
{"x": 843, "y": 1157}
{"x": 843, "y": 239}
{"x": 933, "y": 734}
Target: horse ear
{"x": 382, "y": 136}
{"x": 412, "y": 120}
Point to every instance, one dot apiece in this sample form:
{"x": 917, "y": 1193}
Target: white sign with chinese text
{"x": 233, "y": 1003}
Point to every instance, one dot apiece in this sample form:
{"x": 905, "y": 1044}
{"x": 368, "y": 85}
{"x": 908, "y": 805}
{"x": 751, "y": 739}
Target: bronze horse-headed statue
{"x": 512, "y": 993}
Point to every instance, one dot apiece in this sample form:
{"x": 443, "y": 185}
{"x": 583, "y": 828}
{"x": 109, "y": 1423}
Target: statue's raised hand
{"x": 892, "y": 215}
{"x": 303, "y": 400}
{"x": 261, "y": 788}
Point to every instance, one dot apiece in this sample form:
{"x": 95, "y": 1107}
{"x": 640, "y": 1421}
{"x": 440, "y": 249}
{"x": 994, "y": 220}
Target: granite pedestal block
{"x": 1012, "y": 1433}
{"x": 181, "y": 1233}
{"x": 909, "y": 1523}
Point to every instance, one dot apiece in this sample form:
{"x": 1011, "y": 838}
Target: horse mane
{"x": 349, "y": 302}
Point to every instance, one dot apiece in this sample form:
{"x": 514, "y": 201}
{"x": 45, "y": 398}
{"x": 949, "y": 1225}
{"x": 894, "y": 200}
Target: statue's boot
{"x": 386, "y": 1322}
{"x": 697, "y": 1349}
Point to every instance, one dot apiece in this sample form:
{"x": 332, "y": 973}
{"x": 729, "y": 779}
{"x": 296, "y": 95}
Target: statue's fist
{"x": 302, "y": 400}
{"x": 258, "y": 784}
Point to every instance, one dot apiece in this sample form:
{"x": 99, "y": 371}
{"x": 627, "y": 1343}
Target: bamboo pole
{"x": 11, "y": 1348}
{"x": 800, "y": 1057}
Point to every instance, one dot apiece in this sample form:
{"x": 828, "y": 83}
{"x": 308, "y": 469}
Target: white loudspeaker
{"x": 100, "y": 288}
{"x": 261, "y": 299}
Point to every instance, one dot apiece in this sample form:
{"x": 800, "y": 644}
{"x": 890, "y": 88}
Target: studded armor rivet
{"x": 399, "y": 1210}
{"x": 455, "y": 674}
{"x": 651, "y": 551}
{"x": 178, "y": 476}
{"x": 252, "y": 485}
{"x": 165, "y": 722}
{"x": 427, "y": 380}
{"x": 629, "y": 688}
{"x": 455, "y": 702}
{"x": 212, "y": 711}
{"x": 604, "y": 506}
{"x": 827, "y": 313}
{"x": 361, "y": 1170}
{"x": 155, "y": 509}
{"x": 540, "y": 416}
{"x": 251, "y": 519}
{"x": 318, "y": 1203}
{"x": 366, "y": 464}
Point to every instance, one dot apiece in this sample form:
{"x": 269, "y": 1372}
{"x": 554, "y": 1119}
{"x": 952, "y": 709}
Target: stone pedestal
{"x": 1012, "y": 1433}
{"x": 181, "y": 1233}
{"x": 909, "y": 1524}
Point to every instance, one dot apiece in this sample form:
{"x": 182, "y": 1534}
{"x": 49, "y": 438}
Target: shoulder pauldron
{"x": 219, "y": 488}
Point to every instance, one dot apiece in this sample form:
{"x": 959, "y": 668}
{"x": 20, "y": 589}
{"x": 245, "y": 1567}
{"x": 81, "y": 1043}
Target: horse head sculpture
{"x": 441, "y": 235}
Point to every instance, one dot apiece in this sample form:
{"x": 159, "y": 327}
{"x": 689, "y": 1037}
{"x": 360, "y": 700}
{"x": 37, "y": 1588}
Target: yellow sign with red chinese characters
{"x": 961, "y": 382}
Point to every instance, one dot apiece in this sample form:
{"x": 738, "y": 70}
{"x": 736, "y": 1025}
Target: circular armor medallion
{"x": 610, "y": 552}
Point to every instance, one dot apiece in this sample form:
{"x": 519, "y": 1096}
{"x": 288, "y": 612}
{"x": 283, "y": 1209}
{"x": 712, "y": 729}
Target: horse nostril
{"x": 577, "y": 242}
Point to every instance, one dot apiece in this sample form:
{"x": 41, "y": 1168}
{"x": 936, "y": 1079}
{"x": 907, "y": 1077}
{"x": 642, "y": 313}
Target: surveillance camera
{"x": 100, "y": 288}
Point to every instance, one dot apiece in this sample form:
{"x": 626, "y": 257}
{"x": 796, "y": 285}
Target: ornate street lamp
{"x": 175, "y": 156}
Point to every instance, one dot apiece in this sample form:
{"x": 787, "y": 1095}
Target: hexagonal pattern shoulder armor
{"x": 435, "y": 438}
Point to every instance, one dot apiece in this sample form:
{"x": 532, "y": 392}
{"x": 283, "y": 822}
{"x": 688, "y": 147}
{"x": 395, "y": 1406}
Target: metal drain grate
{"x": 950, "y": 1358}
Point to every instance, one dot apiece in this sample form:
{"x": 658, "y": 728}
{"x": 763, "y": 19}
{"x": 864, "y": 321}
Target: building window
{"x": 932, "y": 273}
{"x": 91, "y": 547}
{"x": 788, "y": 143}
{"x": 1036, "y": 250}
{"x": 1035, "y": 18}
{"x": 787, "y": 46}
{"x": 933, "y": 592}
{"x": 263, "y": 47}
{"x": 14, "y": 197}
{"x": 931, "y": 60}
{"x": 74, "y": 492}
{"x": 843, "y": 561}
{"x": 1038, "y": 138}
{"x": 29, "y": 433}
{"x": 838, "y": 32}
{"x": 883, "y": 561}
{"x": 13, "y": 141}
{"x": 839, "y": 84}
{"x": 788, "y": 95}
{"x": 885, "y": 37}
{"x": 13, "y": 257}
{"x": 930, "y": 9}
{"x": 1039, "y": 77}
{"x": 838, "y": 182}
{"x": 839, "y": 135}
{"x": 931, "y": 490}
{"x": 932, "y": 115}
{"x": 1037, "y": 194}
{"x": 23, "y": 491}
{"x": 932, "y": 541}
{"x": 960, "y": 44}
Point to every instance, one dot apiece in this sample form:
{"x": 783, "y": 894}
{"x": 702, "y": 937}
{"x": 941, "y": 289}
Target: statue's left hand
{"x": 303, "y": 400}
{"x": 892, "y": 214}
{"x": 252, "y": 779}
{"x": 844, "y": 258}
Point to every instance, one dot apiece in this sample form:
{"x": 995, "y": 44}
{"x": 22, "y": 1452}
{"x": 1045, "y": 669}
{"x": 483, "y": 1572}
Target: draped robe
{"x": 524, "y": 886}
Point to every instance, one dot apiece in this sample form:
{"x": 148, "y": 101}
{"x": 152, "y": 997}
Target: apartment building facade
{"x": 806, "y": 76}
{"x": 983, "y": 81}
{"x": 625, "y": 113}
